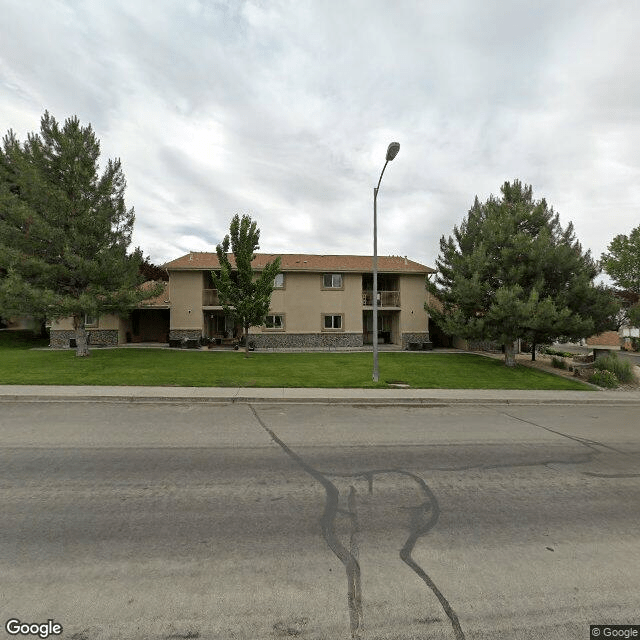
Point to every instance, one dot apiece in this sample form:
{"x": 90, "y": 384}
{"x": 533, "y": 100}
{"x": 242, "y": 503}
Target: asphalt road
{"x": 319, "y": 522}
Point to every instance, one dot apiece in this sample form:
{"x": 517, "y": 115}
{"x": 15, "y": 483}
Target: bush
{"x": 604, "y": 378}
{"x": 555, "y": 352}
{"x": 621, "y": 368}
{"x": 558, "y": 363}
{"x": 635, "y": 344}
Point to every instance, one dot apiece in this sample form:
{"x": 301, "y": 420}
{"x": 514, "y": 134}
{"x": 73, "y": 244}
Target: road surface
{"x": 320, "y": 522}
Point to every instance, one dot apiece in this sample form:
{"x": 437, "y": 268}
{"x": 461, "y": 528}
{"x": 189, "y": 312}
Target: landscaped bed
{"x": 165, "y": 367}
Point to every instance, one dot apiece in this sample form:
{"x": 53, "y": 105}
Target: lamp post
{"x": 392, "y": 152}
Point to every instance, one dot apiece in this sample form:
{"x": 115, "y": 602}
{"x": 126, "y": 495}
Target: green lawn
{"x": 159, "y": 367}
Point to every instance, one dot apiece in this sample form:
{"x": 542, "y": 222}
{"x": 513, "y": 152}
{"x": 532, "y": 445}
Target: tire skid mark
{"x": 594, "y": 445}
{"x": 419, "y": 525}
{"x": 327, "y": 524}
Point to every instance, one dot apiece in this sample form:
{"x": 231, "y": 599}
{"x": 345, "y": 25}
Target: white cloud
{"x": 284, "y": 110}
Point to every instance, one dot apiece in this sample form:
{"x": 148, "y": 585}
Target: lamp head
{"x": 392, "y": 150}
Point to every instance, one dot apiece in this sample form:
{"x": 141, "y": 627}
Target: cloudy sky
{"x": 283, "y": 109}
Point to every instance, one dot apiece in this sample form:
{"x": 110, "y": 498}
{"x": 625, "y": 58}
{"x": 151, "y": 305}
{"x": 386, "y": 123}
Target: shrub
{"x": 555, "y": 352}
{"x": 621, "y": 368}
{"x": 635, "y": 344}
{"x": 558, "y": 363}
{"x": 604, "y": 378}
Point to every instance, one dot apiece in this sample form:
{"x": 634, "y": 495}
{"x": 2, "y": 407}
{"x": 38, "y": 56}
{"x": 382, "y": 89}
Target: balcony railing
{"x": 385, "y": 298}
{"x": 210, "y": 298}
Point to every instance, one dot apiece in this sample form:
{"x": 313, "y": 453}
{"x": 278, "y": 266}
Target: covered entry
{"x": 388, "y": 327}
{"x": 149, "y": 325}
{"x": 219, "y": 327}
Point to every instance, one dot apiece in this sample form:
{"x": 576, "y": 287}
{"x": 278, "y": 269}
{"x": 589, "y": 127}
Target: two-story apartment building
{"x": 318, "y": 301}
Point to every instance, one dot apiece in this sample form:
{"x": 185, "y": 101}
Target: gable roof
{"x": 305, "y": 262}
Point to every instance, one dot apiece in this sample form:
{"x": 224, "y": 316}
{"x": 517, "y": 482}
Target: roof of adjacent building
{"x": 305, "y": 262}
{"x": 161, "y": 300}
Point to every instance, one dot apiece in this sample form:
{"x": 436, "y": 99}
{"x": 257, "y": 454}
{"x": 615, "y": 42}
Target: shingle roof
{"x": 160, "y": 300}
{"x": 306, "y": 262}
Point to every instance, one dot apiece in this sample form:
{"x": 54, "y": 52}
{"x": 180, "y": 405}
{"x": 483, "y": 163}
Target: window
{"x": 90, "y": 321}
{"x": 278, "y": 281}
{"x": 274, "y": 321}
{"x": 332, "y": 281}
{"x": 332, "y": 321}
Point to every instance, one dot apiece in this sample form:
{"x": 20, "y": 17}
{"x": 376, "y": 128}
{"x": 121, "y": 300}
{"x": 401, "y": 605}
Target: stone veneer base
{"x": 187, "y": 334}
{"x": 415, "y": 336}
{"x": 305, "y": 340}
{"x": 59, "y": 339}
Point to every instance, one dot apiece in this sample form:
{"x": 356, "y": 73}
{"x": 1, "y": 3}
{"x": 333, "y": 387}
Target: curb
{"x": 320, "y": 400}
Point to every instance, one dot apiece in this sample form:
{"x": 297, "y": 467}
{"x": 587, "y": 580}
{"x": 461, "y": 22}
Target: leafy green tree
{"x": 622, "y": 264}
{"x": 64, "y": 229}
{"x": 510, "y": 271}
{"x": 244, "y": 296}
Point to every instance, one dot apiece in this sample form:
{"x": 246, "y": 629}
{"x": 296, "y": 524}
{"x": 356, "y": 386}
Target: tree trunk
{"x": 246, "y": 340}
{"x": 533, "y": 352}
{"x": 82, "y": 341}
{"x": 509, "y": 354}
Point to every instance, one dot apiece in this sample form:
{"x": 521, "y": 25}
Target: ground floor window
{"x": 332, "y": 321}
{"x": 274, "y": 321}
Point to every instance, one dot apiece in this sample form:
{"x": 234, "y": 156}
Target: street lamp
{"x": 392, "y": 152}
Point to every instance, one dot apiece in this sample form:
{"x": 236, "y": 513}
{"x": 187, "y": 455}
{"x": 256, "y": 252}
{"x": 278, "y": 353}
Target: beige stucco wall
{"x": 63, "y": 324}
{"x": 185, "y": 296}
{"x": 303, "y": 301}
{"x": 413, "y": 295}
{"x": 106, "y": 322}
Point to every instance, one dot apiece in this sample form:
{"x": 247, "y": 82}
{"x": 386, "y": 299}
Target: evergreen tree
{"x": 244, "y": 297}
{"x": 510, "y": 271}
{"x": 151, "y": 271}
{"x": 65, "y": 229}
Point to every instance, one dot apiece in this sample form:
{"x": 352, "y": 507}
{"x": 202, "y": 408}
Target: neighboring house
{"x": 607, "y": 339}
{"x": 630, "y": 336}
{"x": 318, "y": 301}
{"x": 621, "y": 339}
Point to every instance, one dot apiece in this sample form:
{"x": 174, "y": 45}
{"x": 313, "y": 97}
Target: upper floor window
{"x": 332, "y": 281}
{"x": 278, "y": 281}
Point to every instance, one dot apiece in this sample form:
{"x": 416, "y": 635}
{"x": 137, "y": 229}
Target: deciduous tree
{"x": 622, "y": 264}
{"x": 245, "y": 296}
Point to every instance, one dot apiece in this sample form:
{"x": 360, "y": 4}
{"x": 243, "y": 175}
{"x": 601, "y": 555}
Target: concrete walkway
{"x": 52, "y": 393}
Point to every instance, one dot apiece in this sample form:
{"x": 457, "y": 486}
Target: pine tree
{"x": 64, "y": 228}
{"x": 510, "y": 271}
{"x": 245, "y": 297}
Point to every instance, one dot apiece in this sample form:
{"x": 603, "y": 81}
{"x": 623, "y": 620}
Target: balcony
{"x": 210, "y": 298}
{"x": 385, "y": 299}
